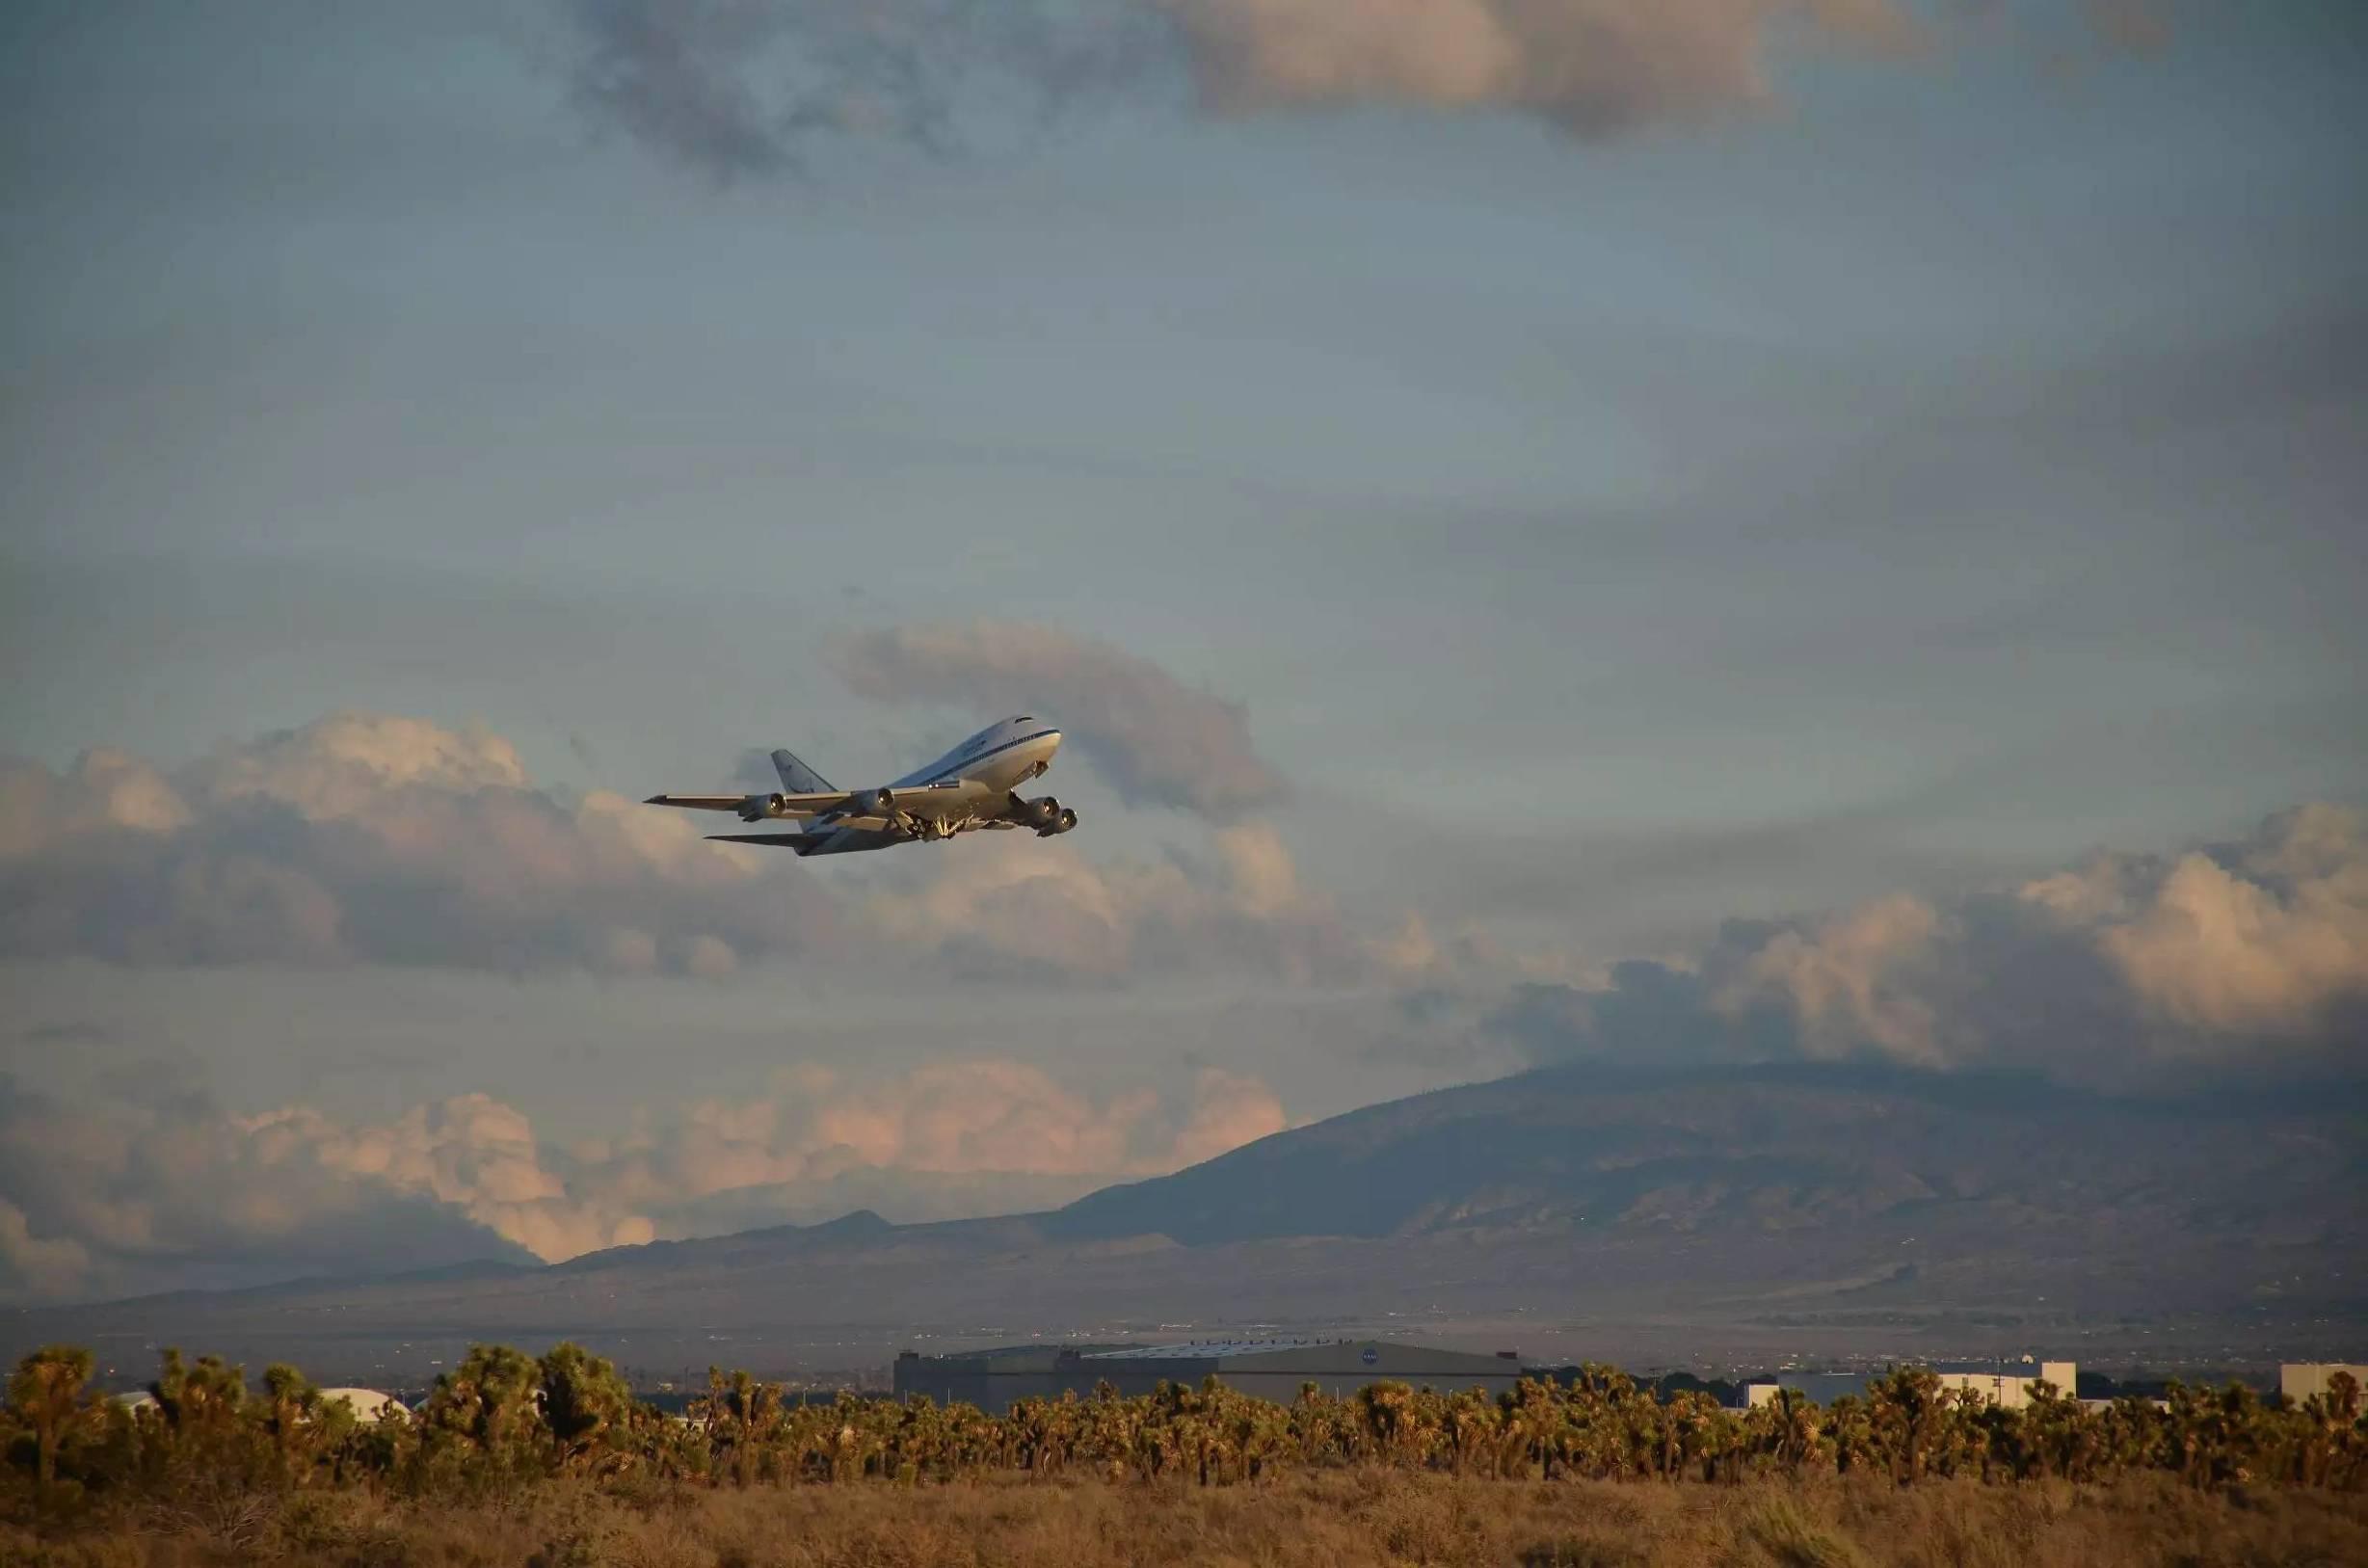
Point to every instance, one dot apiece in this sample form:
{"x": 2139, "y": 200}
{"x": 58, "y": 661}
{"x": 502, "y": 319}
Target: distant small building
{"x": 368, "y": 1404}
{"x": 1276, "y": 1370}
{"x": 1818, "y": 1388}
{"x": 2000, "y": 1383}
{"x": 2298, "y": 1380}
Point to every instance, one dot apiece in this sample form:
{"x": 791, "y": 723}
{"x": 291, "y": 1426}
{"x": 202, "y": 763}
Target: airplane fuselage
{"x": 972, "y": 786}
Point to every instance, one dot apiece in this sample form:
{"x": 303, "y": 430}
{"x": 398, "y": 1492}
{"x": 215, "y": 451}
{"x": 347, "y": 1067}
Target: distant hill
{"x": 1695, "y": 1216}
{"x": 1762, "y": 1148}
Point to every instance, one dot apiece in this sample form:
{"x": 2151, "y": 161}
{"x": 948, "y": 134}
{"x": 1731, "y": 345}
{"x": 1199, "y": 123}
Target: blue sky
{"x": 1907, "y": 485}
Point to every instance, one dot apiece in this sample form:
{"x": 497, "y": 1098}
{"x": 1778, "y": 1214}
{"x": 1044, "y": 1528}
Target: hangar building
{"x": 1274, "y": 1369}
{"x": 2298, "y": 1381}
{"x": 2002, "y": 1383}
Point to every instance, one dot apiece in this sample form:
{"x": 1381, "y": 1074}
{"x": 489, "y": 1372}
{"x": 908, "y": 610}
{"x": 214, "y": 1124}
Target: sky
{"x": 1556, "y": 529}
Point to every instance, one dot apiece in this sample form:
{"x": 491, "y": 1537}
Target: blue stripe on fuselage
{"x": 945, "y": 770}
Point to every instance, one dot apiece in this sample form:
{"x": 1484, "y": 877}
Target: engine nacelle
{"x": 873, "y": 803}
{"x": 756, "y": 808}
{"x": 1063, "y": 820}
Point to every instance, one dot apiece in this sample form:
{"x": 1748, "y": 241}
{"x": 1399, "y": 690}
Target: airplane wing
{"x": 791, "y": 805}
{"x": 798, "y": 844}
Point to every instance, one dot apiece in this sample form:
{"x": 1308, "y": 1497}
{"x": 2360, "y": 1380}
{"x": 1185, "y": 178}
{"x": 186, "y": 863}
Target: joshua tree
{"x": 487, "y": 1405}
{"x": 1387, "y": 1412}
{"x": 46, "y": 1393}
{"x": 205, "y": 1398}
{"x": 584, "y": 1403}
{"x": 291, "y": 1414}
{"x": 1791, "y": 1430}
{"x": 1909, "y": 1410}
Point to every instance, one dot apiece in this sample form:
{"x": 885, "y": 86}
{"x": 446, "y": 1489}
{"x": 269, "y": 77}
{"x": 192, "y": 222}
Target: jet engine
{"x": 873, "y": 803}
{"x": 756, "y": 808}
{"x": 1044, "y": 813}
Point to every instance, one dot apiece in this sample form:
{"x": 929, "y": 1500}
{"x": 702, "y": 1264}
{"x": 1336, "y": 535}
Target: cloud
{"x": 2265, "y": 936}
{"x": 2241, "y": 957}
{"x": 1591, "y": 68}
{"x": 365, "y": 838}
{"x": 118, "y": 1196}
{"x": 967, "y": 1117}
{"x": 1853, "y": 980}
{"x": 2140, "y": 27}
{"x": 1231, "y": 1110}
{"x": 32, "y": 1264}
{"x": 741, "y": 89}
{"x": 121, "y": 1196}
{"x": 1021, "y": 908}
{"x": 471, "y": 1153}
{"x": 368, "y": 838}
{"x": 1158, "y": 741}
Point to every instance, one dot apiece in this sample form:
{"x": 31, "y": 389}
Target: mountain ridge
{"x": 1677, "y": 1207}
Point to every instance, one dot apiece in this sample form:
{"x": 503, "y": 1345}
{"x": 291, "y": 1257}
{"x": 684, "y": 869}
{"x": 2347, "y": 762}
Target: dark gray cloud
{"x": 742, "y": 88}
{"x": 74, "y": 1032}
{"x": 1158, "y": 741}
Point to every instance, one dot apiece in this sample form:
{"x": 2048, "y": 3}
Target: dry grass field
{"x": 515, "y": 1460}
{"x": 1306, "y": 1520}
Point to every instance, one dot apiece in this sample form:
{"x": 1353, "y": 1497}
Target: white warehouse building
{"x": 2298, "y": 1381}
{"x": 2002, "y": 1383}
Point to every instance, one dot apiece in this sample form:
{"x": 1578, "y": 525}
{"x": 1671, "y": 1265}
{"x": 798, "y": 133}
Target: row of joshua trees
{"x": 502, "y": 1418}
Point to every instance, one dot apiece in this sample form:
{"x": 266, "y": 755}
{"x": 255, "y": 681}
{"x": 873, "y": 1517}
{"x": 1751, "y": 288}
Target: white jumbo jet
{"x": 974, "y": 786}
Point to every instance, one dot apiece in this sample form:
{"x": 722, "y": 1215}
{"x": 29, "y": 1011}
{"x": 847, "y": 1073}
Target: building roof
{"x": 1209, "y": 1349}
{"x": 367, "y": 1404}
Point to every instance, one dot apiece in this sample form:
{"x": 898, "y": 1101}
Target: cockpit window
{"x": 1024, "y": 719}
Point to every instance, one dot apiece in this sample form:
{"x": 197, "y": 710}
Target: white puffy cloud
{"x": 1589, "y": 66}
{"x": 471, "y": 1154}
{"x": 2234, "y": 957}
{"x": 2261, "y": 937}
{"x": 375, "y": 838}
{"x": 2235, "y": 952}
{"x": 115, "y": 1197}
{"x": 382, "y": 839}
{"x": 119, "y": 1196}
{"x": 1854, "y": 980}
{"x": 1028, "y": 907}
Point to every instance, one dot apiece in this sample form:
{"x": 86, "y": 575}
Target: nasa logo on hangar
{"x": 1371, "y": 1356}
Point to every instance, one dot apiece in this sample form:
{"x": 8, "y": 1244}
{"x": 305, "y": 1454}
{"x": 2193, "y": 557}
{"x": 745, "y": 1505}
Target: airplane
{"x": 974, "y": 786}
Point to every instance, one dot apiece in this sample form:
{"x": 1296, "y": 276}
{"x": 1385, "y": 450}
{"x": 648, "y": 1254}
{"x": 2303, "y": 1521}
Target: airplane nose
{"x": 1053, "y": 742}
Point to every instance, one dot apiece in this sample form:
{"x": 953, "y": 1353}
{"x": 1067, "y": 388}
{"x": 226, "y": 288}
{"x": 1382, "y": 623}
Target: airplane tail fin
{"x": 797, "y": 778}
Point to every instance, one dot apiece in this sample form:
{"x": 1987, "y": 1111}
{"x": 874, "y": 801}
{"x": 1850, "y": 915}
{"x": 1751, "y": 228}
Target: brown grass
{"x": 1310, "y": 1520}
